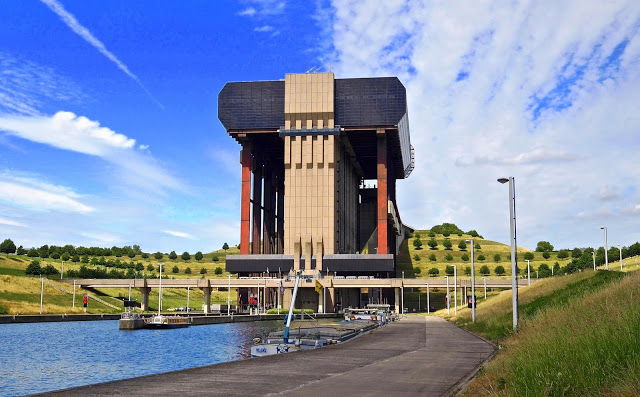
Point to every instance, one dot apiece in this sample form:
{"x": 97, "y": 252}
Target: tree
{"x": 145, "y": 255}
{"x": 467, "y": 270}
{"x": 173, "y": 255}
{"x": 546, "y": 255}
{"x": 449, "y": 270}
{"x": 433, "y": 244}
{"x": 225, "y": 247}
{"x": 199, "y": 256}
{"x": 139, "y": 267}
{"x": 499, "y": 270}
{"x": 187, "y": 270}
{"x": 7, "y": 247}
{"x": 217, "y": 270}
{"x": 215, "y": 258}
{"x": 203, "y": 271}
{"x": 34, "y": 268}
{"x": 158, "y": 255}
{"x": 150, "y": 267}
{"x": 417, "y": 235}
{"x": 432, "y": 257}
{"x": 417, "y": 244}
{"x": 477, "y": 246}
{"x": 544, "y": 246}
{"x": 481, "y": 258}
{"x": 175, "y": 269}
{"x": 49, "y": 270}
{"x": 433, "y": 272}
{"x": 484, "y": 270}
{"x": 131, "y": 254}
{"x": 447, "y": 244}
{"x": 85, "y": 258}
{"x": 462, "y": 245}
{"x": 65, "y": 257}
{"x": 432, "y": 234}
{"x": 576, "y": 253}
{"x": 528, "y": 256}
{"x": 185, "y": 256}
{"x": 75, "y": 258}
{"x": 464, "y": 257}
{"x": 563, "y": 254}
{"x": 473, "y": 233}
{"x": 544, "y": 270}
{"x": 449, "y": 257}
{"x": 446, "y": 234}
{"x": 416, "y": 258}
{"x": 33, "y": 253}
{"x": 55, "y": 255}
{"x": 20, "y": 250}
{"x": 496, "y": 258}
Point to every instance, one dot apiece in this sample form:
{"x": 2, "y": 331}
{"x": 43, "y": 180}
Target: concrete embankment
{"x": 197, "y": 319}
{"x": 416, "y": 356}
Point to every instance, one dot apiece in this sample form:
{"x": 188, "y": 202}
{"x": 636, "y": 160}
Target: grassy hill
{"x": 578, "y": 335}
{"x": 407, "y": 260}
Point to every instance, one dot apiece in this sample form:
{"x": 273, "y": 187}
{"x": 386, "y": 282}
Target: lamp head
{"x": 468, "y": 241}
{"x": 503, "y": 180}
{"x": 603, "y": 228}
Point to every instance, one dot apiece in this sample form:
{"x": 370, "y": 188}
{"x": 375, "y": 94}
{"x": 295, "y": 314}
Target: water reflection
{"x": 41, "y": 357}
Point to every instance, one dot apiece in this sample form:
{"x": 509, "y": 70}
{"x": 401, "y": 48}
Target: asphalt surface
{"x": 425, "y": 356}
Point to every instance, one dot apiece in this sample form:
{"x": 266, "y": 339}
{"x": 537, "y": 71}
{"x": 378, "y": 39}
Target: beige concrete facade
{"x": 321, "y": 178}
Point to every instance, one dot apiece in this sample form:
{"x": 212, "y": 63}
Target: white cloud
{"x": 30, "y": 193}
{"x": 248, "y": 12}
{"x": 179, "y": 234}
{"x": 528, "y": 89}
{"x": 263, "y": 29}
{"x": 264, "y": 8}
{"x": 67, "y": 131}
{"x": 10, "y": 222}
{"x": 83, "y": 32}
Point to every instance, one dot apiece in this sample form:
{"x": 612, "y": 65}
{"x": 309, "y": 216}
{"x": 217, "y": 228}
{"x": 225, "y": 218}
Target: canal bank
{"x": 196, "y": 319}
{"x": 424, "y": 356}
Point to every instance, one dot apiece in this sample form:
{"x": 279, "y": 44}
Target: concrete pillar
{"x": 257, "y": 205}
{"x": 297, "y": 252}
{"x": 331, "y": 299}
{"x": 144, "y": 305}
{"x": 397, "y": 300}
{"x": 383, "y": 245}
{"x": 269, "y": 216}
{"x": 280, "y": 212}
{"x": 207, "y": 299}
{"x": 319, "y": 252}
{"x": 245, "y": 201}
{"x": 308, "y": 253}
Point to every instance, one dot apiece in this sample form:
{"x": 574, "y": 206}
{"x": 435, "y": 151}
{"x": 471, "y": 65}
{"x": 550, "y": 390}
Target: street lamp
{"x": 229, "y": 295}
{"x": 593, "y": 253}
{"x": 606, "y": 248}
{"x": 512, "y": 229}
{"x": 528, "y": 272}
{"x": 455, "y": 290}
{"x": 448, "y": 297}
{"x": 61, "y": 270}
{"x": 473, "y": 284}
{"x": 620, "y": 248}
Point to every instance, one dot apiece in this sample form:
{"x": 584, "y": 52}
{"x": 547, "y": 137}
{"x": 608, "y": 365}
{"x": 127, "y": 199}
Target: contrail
{"x": 83, "y": 32}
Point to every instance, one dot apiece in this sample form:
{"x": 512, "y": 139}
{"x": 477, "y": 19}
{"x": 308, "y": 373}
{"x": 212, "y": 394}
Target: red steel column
{"x": 257, "y": 205}
{"x": 245, "y": 204}
{"x": 382, "y": 168}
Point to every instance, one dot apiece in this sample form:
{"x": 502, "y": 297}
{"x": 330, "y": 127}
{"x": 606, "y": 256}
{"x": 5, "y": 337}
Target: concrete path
{"x": 424, "y": 356}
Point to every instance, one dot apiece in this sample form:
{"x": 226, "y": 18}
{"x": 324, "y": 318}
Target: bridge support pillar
{"x": 207, "y": 299}
{"x": 144, "y": 305}
{"x": 397, "y": 299}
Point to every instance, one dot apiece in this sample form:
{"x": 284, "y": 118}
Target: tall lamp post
{"x": 473, "y": 284}
{"x": 606, "y": 248}
{"x": 448, "y": 297}
{"x": 512, "y": 229}
{"x": 455, "y": 290}
{"x": 229, "y": 295}
{"x": 528, "y": 272}
{"x": 620, "y": 249}
{"x": 593, "y": 253}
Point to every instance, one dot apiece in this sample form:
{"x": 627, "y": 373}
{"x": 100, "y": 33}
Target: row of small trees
{"x": 543, "y": 270}
{"x": 447, "y": 244}
{"x": 464, "y": 257}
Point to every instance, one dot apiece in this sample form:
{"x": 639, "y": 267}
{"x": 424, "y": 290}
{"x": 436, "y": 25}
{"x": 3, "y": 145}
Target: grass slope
{"x": 578, "y": 335}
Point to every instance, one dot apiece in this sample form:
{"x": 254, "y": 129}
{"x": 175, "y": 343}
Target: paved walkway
{"x": 424, "y": 356}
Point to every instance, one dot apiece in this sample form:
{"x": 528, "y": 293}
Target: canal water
{"x": 39, "y": 357}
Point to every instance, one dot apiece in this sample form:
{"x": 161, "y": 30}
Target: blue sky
{"x": 109, "y": 132}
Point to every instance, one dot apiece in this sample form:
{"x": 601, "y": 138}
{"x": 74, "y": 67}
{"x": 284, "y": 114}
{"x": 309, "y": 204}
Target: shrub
{"x": 433, "y": 272}
{"x": 150, "y": 267}
{"x": 546, "y": 255}
{"x": 217, "y": 270}
{"x": 499, "y": 270}
{"x": 446, "y": 233}
{"x": 481, "y": 258}
{"x": 464, "y": 257}
{"x": 462, "y": 245}
{"x": 417, "y": 270}
{"x": 199, "y": 256}
{"x": 449, "y": 270}
{"x": 417, "y": 244}
{"x": 432, "y": 234}
{"x": 432, "y": 257}
{"x": 173, "y": 255}
{"x": 496, "y": 258}
{"x": 449, "y": 257}
{"x": 417, "y": 235}
{"x": 433, "y": 244}
{"x": 203, "y": 271}
{"x": 563, "y": 254}
{"x": 187, "y": 270}
{"x": 484, "y": 270}
{"x": 467, "y": 270}
{"x": 175, "y": 269}
{"x": 447, "y": 244}
{"x": 416, "y": 258}
{"x": 477, "y": 246}
{"x": 185, "y": 256}
{"x": 145, "y": 255}
{"x": 295, "y": 311}
{"x": 158, "y": 255}
{"x": 215, "y": 258}
{"x": 49, "y": 270}
{"x": 3, "y": 310}
{"x": 528, "y": 256}
{"x": 576, "y": 253}
{"x": 34, "y": 268}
